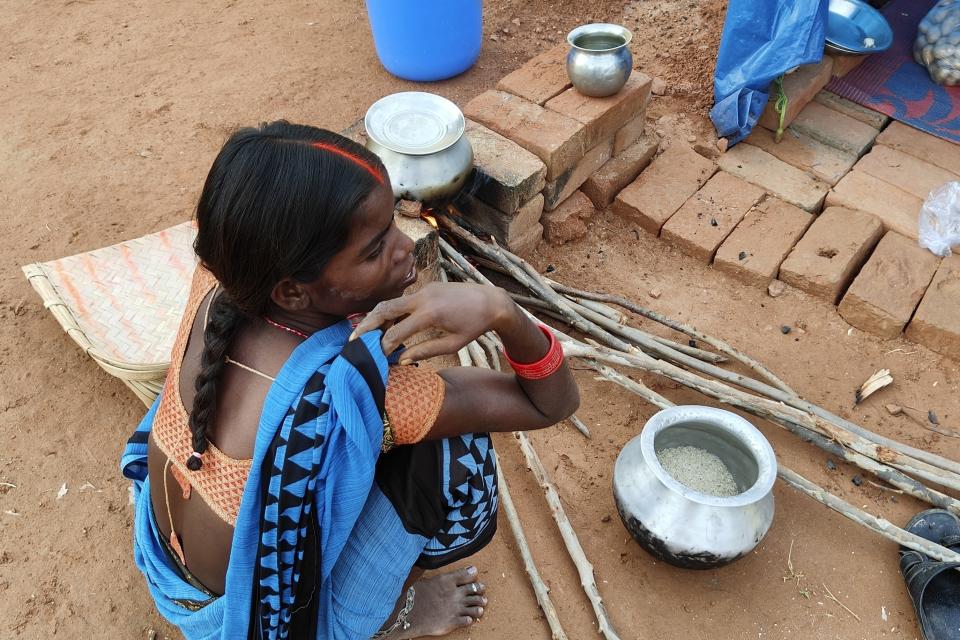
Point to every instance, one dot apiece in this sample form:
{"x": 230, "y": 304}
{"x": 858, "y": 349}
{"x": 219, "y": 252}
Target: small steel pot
{"x": 419, "y": 137}
{"x": 678, "y": 524}
{"x": 599, "y": 62}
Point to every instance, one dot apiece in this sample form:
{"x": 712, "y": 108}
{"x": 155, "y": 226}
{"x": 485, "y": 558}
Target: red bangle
{"x": 546, "y": 366}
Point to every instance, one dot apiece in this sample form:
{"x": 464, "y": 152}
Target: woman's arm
{"x": 478, "y": 399}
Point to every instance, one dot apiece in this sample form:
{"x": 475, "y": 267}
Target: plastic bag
{"x": 938, "y": 43}
{"x": 940, "y": 219}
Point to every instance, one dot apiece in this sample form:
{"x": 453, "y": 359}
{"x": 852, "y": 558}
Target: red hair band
{"x": 349, "y": 156}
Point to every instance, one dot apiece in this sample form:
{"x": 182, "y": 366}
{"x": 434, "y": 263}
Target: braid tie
{"x": 224, "y": 320}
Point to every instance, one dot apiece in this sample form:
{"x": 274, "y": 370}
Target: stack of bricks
{"x": 575, "y": 138}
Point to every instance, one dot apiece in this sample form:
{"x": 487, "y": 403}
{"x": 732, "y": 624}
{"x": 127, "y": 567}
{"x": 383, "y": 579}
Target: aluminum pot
{"x": 419, "y": 137}
{"x": 599, "y": 62}
{"x": 678, "y": 524}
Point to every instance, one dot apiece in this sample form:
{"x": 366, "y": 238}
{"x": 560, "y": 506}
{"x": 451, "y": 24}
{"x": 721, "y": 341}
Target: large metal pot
{"x": 419, "y": 137}
{"x": 678, "y": 524}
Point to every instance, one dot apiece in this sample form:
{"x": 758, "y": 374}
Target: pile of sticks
{"x": 611, "y": 340}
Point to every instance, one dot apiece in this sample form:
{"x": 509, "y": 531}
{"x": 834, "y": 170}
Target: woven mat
{"x": 122, "y": 304}
{"x": 892, "y": 83}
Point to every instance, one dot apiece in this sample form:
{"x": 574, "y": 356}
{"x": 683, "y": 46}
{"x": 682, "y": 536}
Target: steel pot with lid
{"x": 419, "y": 137}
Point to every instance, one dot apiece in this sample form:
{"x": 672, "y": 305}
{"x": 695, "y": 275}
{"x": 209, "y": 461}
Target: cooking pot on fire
{"x": 419, "y": 137}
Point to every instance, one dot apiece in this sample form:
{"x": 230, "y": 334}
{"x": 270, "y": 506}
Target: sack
{"x": 937, "y": 46}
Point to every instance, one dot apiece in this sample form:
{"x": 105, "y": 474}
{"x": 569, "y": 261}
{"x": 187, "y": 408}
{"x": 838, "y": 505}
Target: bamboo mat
{"x": 122, "y": 304}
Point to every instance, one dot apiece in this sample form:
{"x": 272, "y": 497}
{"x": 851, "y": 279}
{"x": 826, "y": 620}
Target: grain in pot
{"x": 698, "y": 469}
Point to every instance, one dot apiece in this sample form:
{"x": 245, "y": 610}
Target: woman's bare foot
{"x": 444, "y": 603}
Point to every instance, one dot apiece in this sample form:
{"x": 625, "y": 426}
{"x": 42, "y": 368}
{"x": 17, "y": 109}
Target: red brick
{"x": 779, "y": 178}
{"x": 505, "y": 227}
{"x": 658, "y": 192}
{"x": 426, "y": 249}
{"x": 603, "y": 117}
{"x": 629, "y": 133}
{"x": 541, "y": 77}
{"x": 708, "y": 217}
{"x": 527, "y": 243}
{"x": 509, "y": 175}
{"x": 604, "y": 185}
{"x": 856, "y": 111}
{"x": 906, "y": 172}
{"x": 831, "y": 252}
{"x": 800, "y": 87}
{"x": 572, "y": 179}
{"x": 835, "y": 129}
{"x": 842, "y": 65}
{"x": 936, "y": 324}
{"x": 763, "y": 238}
{"x": 552, "y": 137}
{"x": 803, "y": 152}
{"x": 885, "y": 293}
{"x": 943, "y": 153}
{"x": 566, "y": 222}
{"x": 898, "y": 210}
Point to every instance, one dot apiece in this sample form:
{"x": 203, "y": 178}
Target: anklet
{"x": 401, "y": 624}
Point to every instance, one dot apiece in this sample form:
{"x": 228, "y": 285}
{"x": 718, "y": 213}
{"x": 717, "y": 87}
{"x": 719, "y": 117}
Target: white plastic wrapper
{"x": 937, "y": 46}
{"x": 940, "y": 219}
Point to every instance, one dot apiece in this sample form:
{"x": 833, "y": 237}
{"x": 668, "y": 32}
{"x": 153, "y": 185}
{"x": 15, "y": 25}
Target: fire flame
{"x": 430, "y": 219}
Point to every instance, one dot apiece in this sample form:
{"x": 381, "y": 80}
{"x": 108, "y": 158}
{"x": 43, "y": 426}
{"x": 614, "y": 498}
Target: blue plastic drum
{"x": 425, "y": 40}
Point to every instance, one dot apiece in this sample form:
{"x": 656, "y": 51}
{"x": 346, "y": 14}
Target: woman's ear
{"x": 290, "y": 295}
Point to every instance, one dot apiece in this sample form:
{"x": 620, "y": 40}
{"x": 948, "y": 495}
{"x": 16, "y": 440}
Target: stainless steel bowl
{"x": 851, "y": 22}
{"x": 599, "y": 62}
{"x": 419, "y": 137}
{"x": 678, "y": 524}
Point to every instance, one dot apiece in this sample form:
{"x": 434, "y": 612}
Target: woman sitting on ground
{"x": 297, "y": 476}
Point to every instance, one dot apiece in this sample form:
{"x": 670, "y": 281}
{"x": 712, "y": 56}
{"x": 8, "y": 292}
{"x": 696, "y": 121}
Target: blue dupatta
{"x": 317, "y": 445}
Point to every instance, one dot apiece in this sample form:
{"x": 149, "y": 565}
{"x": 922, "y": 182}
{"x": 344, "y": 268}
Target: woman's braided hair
{"x": 277, "y": 203}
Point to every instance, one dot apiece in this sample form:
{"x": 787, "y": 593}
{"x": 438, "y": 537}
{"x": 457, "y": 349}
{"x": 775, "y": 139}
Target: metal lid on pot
{"x": 414, "y": 122}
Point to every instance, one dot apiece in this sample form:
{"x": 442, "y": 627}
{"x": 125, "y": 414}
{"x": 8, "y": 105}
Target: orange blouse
{"x": 413, "y": 400}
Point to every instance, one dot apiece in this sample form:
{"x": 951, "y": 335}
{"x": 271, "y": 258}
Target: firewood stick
{"x": 892, "y": 476}
{"x": 798, "y": 482}
{"x": 540, "y": 590}
{"x": 570, "y": 539}
{"x": 868, "y": 448}
{"x": 879, "y": 525}
{"x": 764, "y": 407}
{"x": 716, "y": 343}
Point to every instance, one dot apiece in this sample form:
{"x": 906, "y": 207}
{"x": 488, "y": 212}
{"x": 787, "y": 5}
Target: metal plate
{"x": 851, "y": 22}
{"x": 414, "y": 122}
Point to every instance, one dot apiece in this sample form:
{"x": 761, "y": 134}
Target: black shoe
{"x": 934, "y": 586}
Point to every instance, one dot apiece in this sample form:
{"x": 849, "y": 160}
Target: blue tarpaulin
{"x": 762, "y": 39}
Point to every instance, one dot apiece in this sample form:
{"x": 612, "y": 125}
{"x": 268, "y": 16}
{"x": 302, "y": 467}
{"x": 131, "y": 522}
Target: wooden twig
{"x": 879, "y": 525}
{"x": 570, "y": 539}
{"x": 827, "y": 434}
{"x": 700, "y": 336}
{"x": 540, "y": 589}
{"x": 579, "y": 424}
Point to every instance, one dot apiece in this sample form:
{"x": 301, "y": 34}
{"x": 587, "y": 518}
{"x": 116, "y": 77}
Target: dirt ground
{"x": 113, "y": 112}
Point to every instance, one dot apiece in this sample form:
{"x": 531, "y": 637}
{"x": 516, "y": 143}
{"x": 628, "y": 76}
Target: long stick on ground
{"x": 570, "y": 539}
{"x": 540, "y": 589}
{"x": 803, "y": 428}
{"x": 884, "y": 527}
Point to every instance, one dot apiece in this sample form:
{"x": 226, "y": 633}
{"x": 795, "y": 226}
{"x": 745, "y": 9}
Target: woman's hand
{"x": 462, "y": 311}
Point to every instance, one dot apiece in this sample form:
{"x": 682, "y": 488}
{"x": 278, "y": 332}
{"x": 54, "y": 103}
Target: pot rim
{"x": 727, "y": 421}
{"x": 600, "y": 27}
